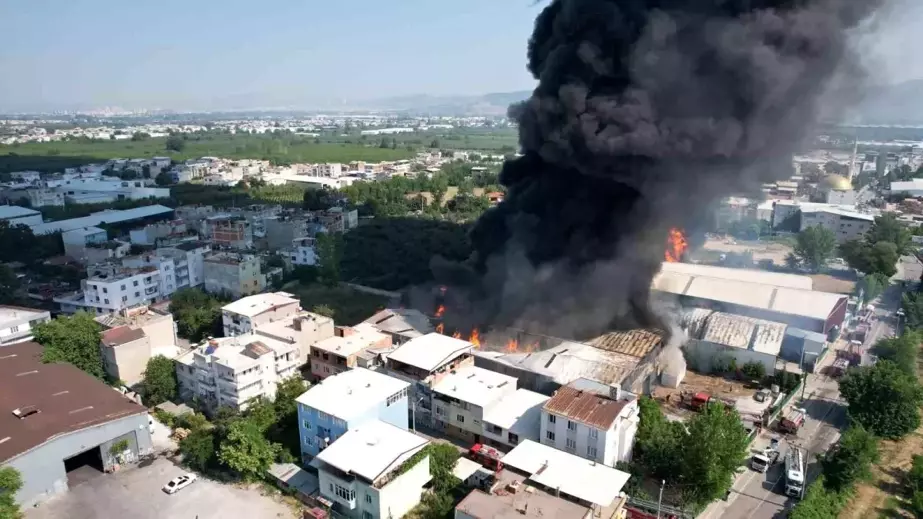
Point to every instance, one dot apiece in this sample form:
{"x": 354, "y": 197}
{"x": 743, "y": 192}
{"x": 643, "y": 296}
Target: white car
{"x": 178, "y": 483}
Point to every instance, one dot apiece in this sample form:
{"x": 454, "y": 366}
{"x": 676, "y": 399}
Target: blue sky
{"x": 214, "y": 54}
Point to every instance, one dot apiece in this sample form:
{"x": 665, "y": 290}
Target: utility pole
{"x": 660, "y": 499}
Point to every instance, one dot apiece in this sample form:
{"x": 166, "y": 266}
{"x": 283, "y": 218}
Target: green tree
{"x": 146, "y": 171}
{"x": 754, "y": 370}
{"x": 715, "y": 447}
{"x": 883, "y": 399}
{"x": 246, "y": 451}
{"x": 851, "y": 460}
{"x": 163, "y": 179}
{"x": 915, "y": 474}
{"x": 9, "y": 285}
{"x": 657, "y": 443}
{"x": 324, "y": 310}
{"x": 197, "y": 314}
{"x": 815, "y": 246}
{"x": 872, "y": 286}
{"x": 912, "y": 305}
{"x": 902, "y": 350}
{"x": 792, "y": 261}
{"x": 198, "y": 448}
{"x": 819, "y": 502}
{"x": 285, "y": 430}
{"x": 329, "y": 254}
{"x": 74, "y": 340}
{"x": 10, "y": 483}
{"x": 883, "y": 258}
{"x": 175, "y": 143}
{"x": 315, "y": 200}
{"x": 158, "y": 384}
{"x": 889, "y": 229}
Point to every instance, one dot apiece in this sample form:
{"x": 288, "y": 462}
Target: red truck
{"x": 487, "y": 456}
{"x": 791, "y": 422}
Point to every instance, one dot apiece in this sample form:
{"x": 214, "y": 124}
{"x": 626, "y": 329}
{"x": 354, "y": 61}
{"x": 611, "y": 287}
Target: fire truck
{"x": 487, "y": 456}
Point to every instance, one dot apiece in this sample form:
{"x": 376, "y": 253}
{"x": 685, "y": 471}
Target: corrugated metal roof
{"x": 750, "y": 275}
{"x": 585, "y": 407}
{"x": 637, "y": 343}
{"x": 256, "y": 349}
{"x": 109, "y": 216}
{"x": 744, "y": 332}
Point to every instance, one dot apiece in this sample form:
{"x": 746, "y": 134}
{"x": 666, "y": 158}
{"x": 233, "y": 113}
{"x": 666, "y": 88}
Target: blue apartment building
{"x": 345, "y": 401}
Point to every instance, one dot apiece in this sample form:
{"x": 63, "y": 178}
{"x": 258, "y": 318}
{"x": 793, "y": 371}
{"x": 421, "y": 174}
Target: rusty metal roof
{"x": 256, "y": 349}
{"x": 586, "y": 407}
{"x": 636, "y": 343}
{"x": 121, "y": 335}
{"x": 744, "y": 332}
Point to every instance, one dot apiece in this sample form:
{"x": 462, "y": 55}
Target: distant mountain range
{"x": 485, "y": 104}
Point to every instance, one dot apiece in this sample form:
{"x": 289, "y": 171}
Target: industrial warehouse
{"x": 60, "y": 426}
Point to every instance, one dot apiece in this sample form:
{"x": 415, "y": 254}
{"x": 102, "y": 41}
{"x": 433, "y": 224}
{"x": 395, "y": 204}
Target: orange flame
{"x": 456, "y": 335}
{"x": 440, "y": 311}
{"x": 475, "y": 338}
{"x": 676, "y": 246}
{"x": 512, "y": 346}
{"x": 440, "y": 328}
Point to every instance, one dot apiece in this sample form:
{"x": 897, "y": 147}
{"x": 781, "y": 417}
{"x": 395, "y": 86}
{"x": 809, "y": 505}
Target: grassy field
{"x": 484, "y": 139}
{"x": 278, "y": 149}
{"x": 349, "y": 306}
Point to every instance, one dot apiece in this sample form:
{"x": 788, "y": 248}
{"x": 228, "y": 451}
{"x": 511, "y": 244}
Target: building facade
{"x": 234, "y": 274}
{"x": 459, "y": 400}
{"x": 16, "y": 323}
{"x": 245, "y": 314}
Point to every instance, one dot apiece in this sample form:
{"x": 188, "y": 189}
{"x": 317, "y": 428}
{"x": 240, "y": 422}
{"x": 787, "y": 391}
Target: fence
{"x": 644, "y": 508}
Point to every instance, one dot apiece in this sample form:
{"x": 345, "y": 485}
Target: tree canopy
{"x": 72, "y": 339}
{"x": 159, "y": 383}
{"x": 902, "y": 350}
{"x": 197, "y": 314}
{"x": 815, "y": 246}
{"x": 887, "y": 228}
{"x": 10, "y": 483}
{"x": 883, "y": 399}
{"x": 851, "y": 459}
{"x": 247, "y": 451}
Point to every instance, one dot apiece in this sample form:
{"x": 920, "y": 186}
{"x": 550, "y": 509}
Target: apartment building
{"x": 591, "y": 420}
{"x": 280, "y": 231}
{"x": 90, "y": 245}
{"x": 342, "y": 351}
{"x": 513, "y": 419}
{"x": 424, "y": 361}
{"x": 45, "y": 198}
{"x": 303, "y": 329}
{"x": 245, "y": 314}
{"x": 302, "y": 252}
{"x": 16, "y": 323}
{"x": 112, "y": 287}
{"x": 234, "y": 232}
{"x": 231, "y": 273}
{"x": 345, "y": 401}
{"x": 459, "y": 400}
{"x": 96, "y": 190}
{"x": 131, "y": 337}
{"x": 371, "y": 472}
{"x": 233, "y": 371}
{"x": 337, "y": 219}
{"x": 189, "y": 259}
{"x": 166, "y": 270}
{"x": 151, "y": 234}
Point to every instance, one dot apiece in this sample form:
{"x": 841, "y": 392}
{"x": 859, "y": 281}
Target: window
{"x": 552, "y": 418}
{"x": 323, "y": 416}
{"x": 124, "y": 299}
{"x": 122, "y": 288}
{"x": 343, "y": 492}
{"x": 594, "y": 433}
{"x": 591, "y": 451}
{"x": 105, "y": 290}
{"x": 493, "y": 429}
{"x": 307, "y": 425}
{"x": 137, "y": 294}
{"x": 571, "y": 444}
{"x": 134, "y": 283}
{"x": 309, "y": 441}
{"x": 368, "y": 498}
{"x": 460, "y": 418}
{"x": 440, "y": 411}
{"x": 14, "y": 329}
{"x": 513, "y": 438}
{"x": 106, "y": 301}
{"x": 571, "y": 426}
{"x": 365, "y": 513}
{"x": 549, "y": 435}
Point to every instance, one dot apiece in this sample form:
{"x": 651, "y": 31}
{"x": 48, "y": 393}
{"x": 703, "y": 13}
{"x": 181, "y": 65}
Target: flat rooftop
{"x": 351, "y": 393}
{"x": 430, "y": 351}
{"x": 513, "y": 411}
{"x": 533, "y": 503}
{"x": 242, "y": 351}
{"x": 64, "y": 398}
{"x": 474, "y": 385}
{"x": 254, "y": 305}
{"x": 9, "y": 313}
{"x": 15, "y": 211}
{"x": 372, "y": 450}
{"x": 350, "y": 345}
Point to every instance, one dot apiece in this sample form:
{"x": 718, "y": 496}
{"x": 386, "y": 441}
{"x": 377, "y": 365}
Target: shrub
{"x": 754, "y": 370}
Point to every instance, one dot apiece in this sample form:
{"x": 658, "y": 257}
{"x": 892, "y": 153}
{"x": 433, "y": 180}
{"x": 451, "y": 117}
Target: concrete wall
{"x": 161, "y": 332}
{"x": 128, "y": 361}
{"x": 398, "y": 496}
{"x": 42, "y": 469}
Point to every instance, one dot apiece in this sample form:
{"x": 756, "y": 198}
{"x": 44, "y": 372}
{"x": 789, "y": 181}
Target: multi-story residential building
{"x": 513, "y": 419}
{"x": 95, "y": 190}
{"x": 231, "y": 273}
{"x": 132, "y": 337}
{"x": 235, "y": 232}
{"x": 88, "y": 245}
{"x": 151, "y": 234}
{"x": 282, "y": 230}
{"x": 328, "y": 170}
{"x": 592, "y": 421}
{"x": 459, "y": 400}
{"x": 16, "y": 323}
{"x": 346, "y": 401}
{"x": 245, "y": 314}
{"x": 371, "y": 472}
{"x": 189, "y": 258}
{"x": 166, "y": 269}
{"x": 233, "y": 371}
{"x": 304, "y": 329}
{"x": 402, "y": 324}
{"x": 302, "y": 252}
{"x": 341, "y": 352}
{"x": 111, "y": 287}
{"x": 424, "y": 361}
{"x": 15, "y": 215}
{"x": 337, "y": 219}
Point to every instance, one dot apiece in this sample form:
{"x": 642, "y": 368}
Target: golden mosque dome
{"x": 837, "y": 183}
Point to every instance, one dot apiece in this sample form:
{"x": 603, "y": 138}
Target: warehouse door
{"x": 83, "y": 467}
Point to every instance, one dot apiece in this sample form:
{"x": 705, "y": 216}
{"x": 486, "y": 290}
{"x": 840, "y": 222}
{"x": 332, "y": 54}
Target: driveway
{"x": 136, "y": 493}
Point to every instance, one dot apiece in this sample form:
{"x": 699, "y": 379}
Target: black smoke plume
{"x": 646, "y": 113}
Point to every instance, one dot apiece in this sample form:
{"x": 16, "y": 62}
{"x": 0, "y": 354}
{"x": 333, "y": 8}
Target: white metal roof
{"x": 254, "y": 305}
{"x": 108, "y": 216}
{"x": 430, "y": 351}
{"x": 569, "y": 361}
{"x": 85, "y": 231}
{"x": 477, "y": 386}
{"x": 742, "y": 332}
{"x": 15, "y": 211}
{"x": 372, "y": 450}
{"x": 350, "y": 345}
{"x": 751, "y": 275}
{"x": 514, "y": 411}
{"x": 351, "y": 392}
{"x": 464, "y": 468}
{"x": 572, "y": 475}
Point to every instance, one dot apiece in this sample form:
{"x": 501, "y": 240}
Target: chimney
{"x": 296, "y": 324}
{"x": 344, "y": 331}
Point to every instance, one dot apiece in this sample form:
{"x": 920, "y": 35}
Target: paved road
{"x": 761, "y": 496}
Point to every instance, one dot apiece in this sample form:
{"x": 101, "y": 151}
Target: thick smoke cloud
{"x": 647, "y": 112}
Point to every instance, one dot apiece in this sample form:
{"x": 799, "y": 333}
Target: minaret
{"x": 855, "y": 153}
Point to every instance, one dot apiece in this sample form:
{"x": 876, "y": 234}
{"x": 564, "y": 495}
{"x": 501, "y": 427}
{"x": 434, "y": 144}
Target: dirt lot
{"x": 719, "y": 387}
{"x": 761, "y": 250}
{"x": 837, "y": 285}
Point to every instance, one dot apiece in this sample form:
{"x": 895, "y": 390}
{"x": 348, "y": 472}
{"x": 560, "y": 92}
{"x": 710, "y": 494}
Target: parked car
{"x": 180, "y": 482}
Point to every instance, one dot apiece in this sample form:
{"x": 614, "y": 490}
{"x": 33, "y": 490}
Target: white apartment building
{"x": 328, "y": 170}
{"x": 245, "y": 314}
{"x": 78, "y": 241}
{"x": 591, "y": 424}
{"x": 513, "y": 419}
{"x": 95, "y": 190}
{"x": 362, "y": 472}
{"x": 131, "y": 337}
{"x": 189, "y": 258}
{"x": 166, "y": 270}
{"x": 303, "y": 252}
{"x": 846, "y": 225}
{"x": 233, "y": 371}
{"x": 111, "y": 288}
{"x": 16, "y": 323}
{"x": 459, "y": 400}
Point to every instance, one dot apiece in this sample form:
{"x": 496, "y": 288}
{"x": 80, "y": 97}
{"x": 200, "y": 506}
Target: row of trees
{"x": 687, "y": 455}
